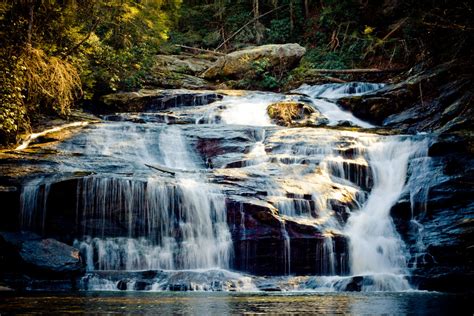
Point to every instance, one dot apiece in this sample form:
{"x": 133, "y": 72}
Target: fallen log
{"x": 200, "y": 50}
{"x": 161, "y": 169}
{"x": 351, "y": 71}
{"x": 336, "y": 80}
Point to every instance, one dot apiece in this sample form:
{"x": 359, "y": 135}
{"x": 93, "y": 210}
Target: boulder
{"x": 178, "y": 71}
{"x": 51, "y": 256}
{"x": 239, "y": 63}
{"x": 295, "y": 113}
{"x": 176, "y": 80}
{"x": 181, "y": 64}
{"x": 155, "y": 100}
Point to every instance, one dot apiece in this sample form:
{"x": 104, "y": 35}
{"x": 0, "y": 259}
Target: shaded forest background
{"x": 56, "y": 54}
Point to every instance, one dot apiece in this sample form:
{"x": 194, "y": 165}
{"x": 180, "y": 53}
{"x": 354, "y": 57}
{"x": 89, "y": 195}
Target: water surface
{"x": 201, "y": 303}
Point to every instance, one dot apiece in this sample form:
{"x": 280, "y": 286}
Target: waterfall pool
{"x": 192, "y": 303}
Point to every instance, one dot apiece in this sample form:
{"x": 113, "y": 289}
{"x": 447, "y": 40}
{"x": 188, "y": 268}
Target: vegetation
{"x": 55, "y": 53}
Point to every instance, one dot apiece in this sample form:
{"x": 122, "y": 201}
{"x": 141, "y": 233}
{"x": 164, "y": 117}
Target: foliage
{"x": 53, "y": 50}
{"x": 279, "y": 31}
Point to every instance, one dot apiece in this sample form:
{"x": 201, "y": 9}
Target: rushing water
{"x": 156, "y": 197}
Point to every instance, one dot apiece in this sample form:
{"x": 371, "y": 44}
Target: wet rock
{"x": 437, "y": 227}
{"x": 354, "y": 171}
{"x": 295, "y": 113}
{"x": 437, "y": 99}
{"x": 240, "y": 63}
{"x": 142, "y": 285}
{"x": 122, "y": 285}
{"x": 264, "y": 244}
{"x": 180, "y": 287}
{"x": 153, "y": 100}
{"x": 51, "y": 256}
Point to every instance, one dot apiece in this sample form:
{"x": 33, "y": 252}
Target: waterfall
{"x": 337, "y": 90}
{"x": 324, "y": 96}
{"x": 170, "y": 225}
{"x": 375, "y": 246}
{"x": 142, "y": 196}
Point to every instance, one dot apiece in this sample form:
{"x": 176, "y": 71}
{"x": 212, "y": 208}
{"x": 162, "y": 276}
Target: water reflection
{"x": 231, "y": 304}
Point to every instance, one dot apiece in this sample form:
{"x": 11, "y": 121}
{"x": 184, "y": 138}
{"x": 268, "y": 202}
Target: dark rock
{"x": 153, "y": 100}
{"x": 142, "y": 285}
{"x": 179, "y": 287}
{"x": 437, "y": 99}
{"x": 122, "y": 285}
{"x": 261, "y": 246}
{"x": 51, "y": 256}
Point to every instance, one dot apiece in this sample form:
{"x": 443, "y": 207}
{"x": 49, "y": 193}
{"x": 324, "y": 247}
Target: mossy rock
{"x": 295, "y": 113}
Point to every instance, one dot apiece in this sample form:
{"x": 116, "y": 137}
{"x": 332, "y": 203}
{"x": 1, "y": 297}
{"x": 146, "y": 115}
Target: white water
{"x": 180, "y": 222}
{"x": 176, "y": 225}
{"x": 321, "y": 93}
{"x": 337, "y": 90}
{"x": 249, "y": 109}
{"x": 375, "y": 246}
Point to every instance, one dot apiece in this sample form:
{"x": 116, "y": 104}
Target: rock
{"x": 437, "y": 99}
{"x": 175, "y": 80}
{"x": 51, "y": 256}
{"x": 153, "y": 100}
{"x": 260, "y": 239}
{"x": 176, "y": 71}
{"x": 239, "y": 63}
{"x": 16, "y": 239}
{"x": 122, "y": 285}
{"x": 5, "y": 289}
{"x": 181, "y": 64}
{"x": 291, "y": 113}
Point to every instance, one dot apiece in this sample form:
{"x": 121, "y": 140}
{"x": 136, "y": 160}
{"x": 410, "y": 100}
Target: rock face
{"x": 295, "y": 113}
{"x": 440, "y": 238}
{"x": 438, "y": 99}
{"x": 176, "y": 71}
{"x": 239, "y": 63}
{"x": 153, "y": 100}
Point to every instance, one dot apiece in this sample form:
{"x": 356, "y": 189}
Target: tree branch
{"x": 94, "y": 27}
{"x": 247, "y": 24}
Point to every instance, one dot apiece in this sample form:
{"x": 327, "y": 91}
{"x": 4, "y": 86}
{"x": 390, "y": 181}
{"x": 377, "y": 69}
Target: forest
{"x": 61, "y": 54}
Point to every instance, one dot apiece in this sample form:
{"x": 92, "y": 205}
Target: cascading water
{"x": 376, "y": 247}
{"x": 323, "y": 95}
{"x": 152, "y": 196}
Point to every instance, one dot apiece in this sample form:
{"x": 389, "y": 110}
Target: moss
{"x": 286, "y": 112}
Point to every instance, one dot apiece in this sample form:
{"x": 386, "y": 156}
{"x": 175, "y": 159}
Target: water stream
{"x": 159, "y": 196}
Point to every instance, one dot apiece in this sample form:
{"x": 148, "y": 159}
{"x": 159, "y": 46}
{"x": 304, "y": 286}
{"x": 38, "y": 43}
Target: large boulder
{"x": 239, "y": 63}
{"x": 178, "y": 71}
{"x": 38, "y": 256}
{"x": 181, "y": 64}
{"x": 51, "y": 255}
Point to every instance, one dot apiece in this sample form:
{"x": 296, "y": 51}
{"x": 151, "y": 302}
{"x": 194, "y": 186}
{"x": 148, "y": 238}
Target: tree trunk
{"x": 256, "y": 14}
{"x": 30, "y": 24}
